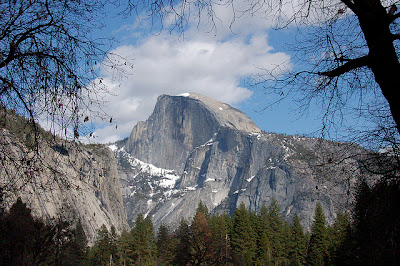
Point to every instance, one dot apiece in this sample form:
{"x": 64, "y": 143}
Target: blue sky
{"x": 215, "y": 62}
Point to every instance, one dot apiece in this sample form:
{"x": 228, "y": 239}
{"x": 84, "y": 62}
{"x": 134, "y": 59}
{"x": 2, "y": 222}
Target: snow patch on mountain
{"x": 167, "y": 178}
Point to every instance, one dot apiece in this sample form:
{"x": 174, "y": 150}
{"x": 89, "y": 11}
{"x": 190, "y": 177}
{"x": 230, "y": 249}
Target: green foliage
{"x": 75, "y": 251}
{"x": 276, "y": 233}
{"x": 243, "y": 237}
{"x": 202, "y": 208}
{"x": 165, "y": 246}
{"x": 104, "y": 250}
{"x": 340, "y": 234}
{"x": 265, "y": 250}
{"x": 182, "y": 251}
{"x": 318, "y": 246}
{"x": 143, "y": 236}
{"x": 28, "y": 241}
{"x": 297, "y": 247}
{"x": 125, "y": 247}
{"x": 220, "y": 229}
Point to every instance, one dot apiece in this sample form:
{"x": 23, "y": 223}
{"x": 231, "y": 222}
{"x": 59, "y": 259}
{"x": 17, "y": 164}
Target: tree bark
{"x": 382, "y": 57}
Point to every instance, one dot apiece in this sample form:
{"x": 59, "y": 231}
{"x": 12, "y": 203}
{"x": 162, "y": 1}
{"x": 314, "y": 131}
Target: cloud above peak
{"x": 168, "y": 64}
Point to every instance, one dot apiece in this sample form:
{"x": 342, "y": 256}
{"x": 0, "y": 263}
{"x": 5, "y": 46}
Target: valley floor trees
{"x": 247, "y": 238}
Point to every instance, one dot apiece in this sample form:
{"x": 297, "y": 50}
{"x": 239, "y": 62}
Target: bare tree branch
{"x": 351, "y": 64}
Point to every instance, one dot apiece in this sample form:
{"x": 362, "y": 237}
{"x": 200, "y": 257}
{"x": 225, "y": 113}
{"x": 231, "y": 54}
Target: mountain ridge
{"x": 187, "y": 151}
{"x": 59, "y": 179}
{"x": 230, "y": 164}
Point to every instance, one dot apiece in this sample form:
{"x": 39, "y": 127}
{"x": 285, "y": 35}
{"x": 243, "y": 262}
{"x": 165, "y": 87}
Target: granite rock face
{"x": 61, "y": 179}
{"x": 180, "y": 124}
{"x": 194, "y": 148}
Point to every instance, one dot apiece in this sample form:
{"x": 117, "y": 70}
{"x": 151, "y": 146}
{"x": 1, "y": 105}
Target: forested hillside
{"x": 246, "y": 238}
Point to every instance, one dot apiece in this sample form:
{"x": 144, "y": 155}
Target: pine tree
{"x": 287, "y": 237}
{"x": 102, "y": 251}
{"x": 258, "y": 230}
{"x": 165, "y": 246}
{"x": 340, "y": 233}
{"x": 25, "y": 240}
{"x": 264, "y": 219}
{"x": 18, "y": 232}
{"x": 74, "y": 252}
{"x": 297, "y": 243}
{"x": 201, "y": 240}
{"x": 182, "y": 251}
{"x": 265, "y": 250}
{"x": 243, "y": 237}
{"x": 318, "y": 246}
{"x": 125, "y": 248}
{"x": 28, "y": 241}
{"x": 145, "y": 249}
{"x": 219, "y": 227}
{"x": 276, "y": 233}
{"x": 202, "y": 208}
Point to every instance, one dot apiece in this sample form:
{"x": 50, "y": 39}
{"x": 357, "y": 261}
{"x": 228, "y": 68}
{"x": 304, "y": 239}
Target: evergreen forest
{"x": 368, "y": 235}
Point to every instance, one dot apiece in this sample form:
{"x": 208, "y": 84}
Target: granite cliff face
{"x": 180, "y": 124}
{"x": 191, "y": 148}
{"x": 61, "y": 179}
{"x": 194, "y": 148}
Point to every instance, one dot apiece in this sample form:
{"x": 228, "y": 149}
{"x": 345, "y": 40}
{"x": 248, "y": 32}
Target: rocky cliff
{"x": 180, "y": 124}
{"x": 194, "y": 148}
{"x": 191, "y": 148}
{"x": 60, "y": 179}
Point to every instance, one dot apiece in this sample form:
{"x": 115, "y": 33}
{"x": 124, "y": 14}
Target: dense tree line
{"x": 369, "y": 237}
{"x": 25, "y": 240}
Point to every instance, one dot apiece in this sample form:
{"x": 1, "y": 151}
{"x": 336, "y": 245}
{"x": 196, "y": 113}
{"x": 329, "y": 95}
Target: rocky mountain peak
{"x": 226, "y": 115}
{"x": 196, "y": 148}
{"x": 180, "y": 123}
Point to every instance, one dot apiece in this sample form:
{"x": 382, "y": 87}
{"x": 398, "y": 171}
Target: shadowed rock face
{"x": 216, "y": 154}
{"x": 178, "y": 125}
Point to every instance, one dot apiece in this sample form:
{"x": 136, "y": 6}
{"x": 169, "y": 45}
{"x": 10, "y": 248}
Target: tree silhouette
{"x": 377, "y": 223}
{"x": 25, "y": 240}
{"x": 48, "y": 58}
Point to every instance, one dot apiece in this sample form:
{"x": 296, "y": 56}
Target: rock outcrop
{"x": 216, "y": 154}
{"x": 192, "y": 148}
{"x": 60, "y": 179}
{"x": 180, "y": 124}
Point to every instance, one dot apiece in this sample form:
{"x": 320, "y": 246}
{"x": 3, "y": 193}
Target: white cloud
{"x": 226, "y": 17}
{"x": 169, "y": 64}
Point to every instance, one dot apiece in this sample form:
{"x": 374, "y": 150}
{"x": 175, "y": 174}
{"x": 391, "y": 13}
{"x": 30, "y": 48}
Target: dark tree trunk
{"x": 382, "y": 57}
